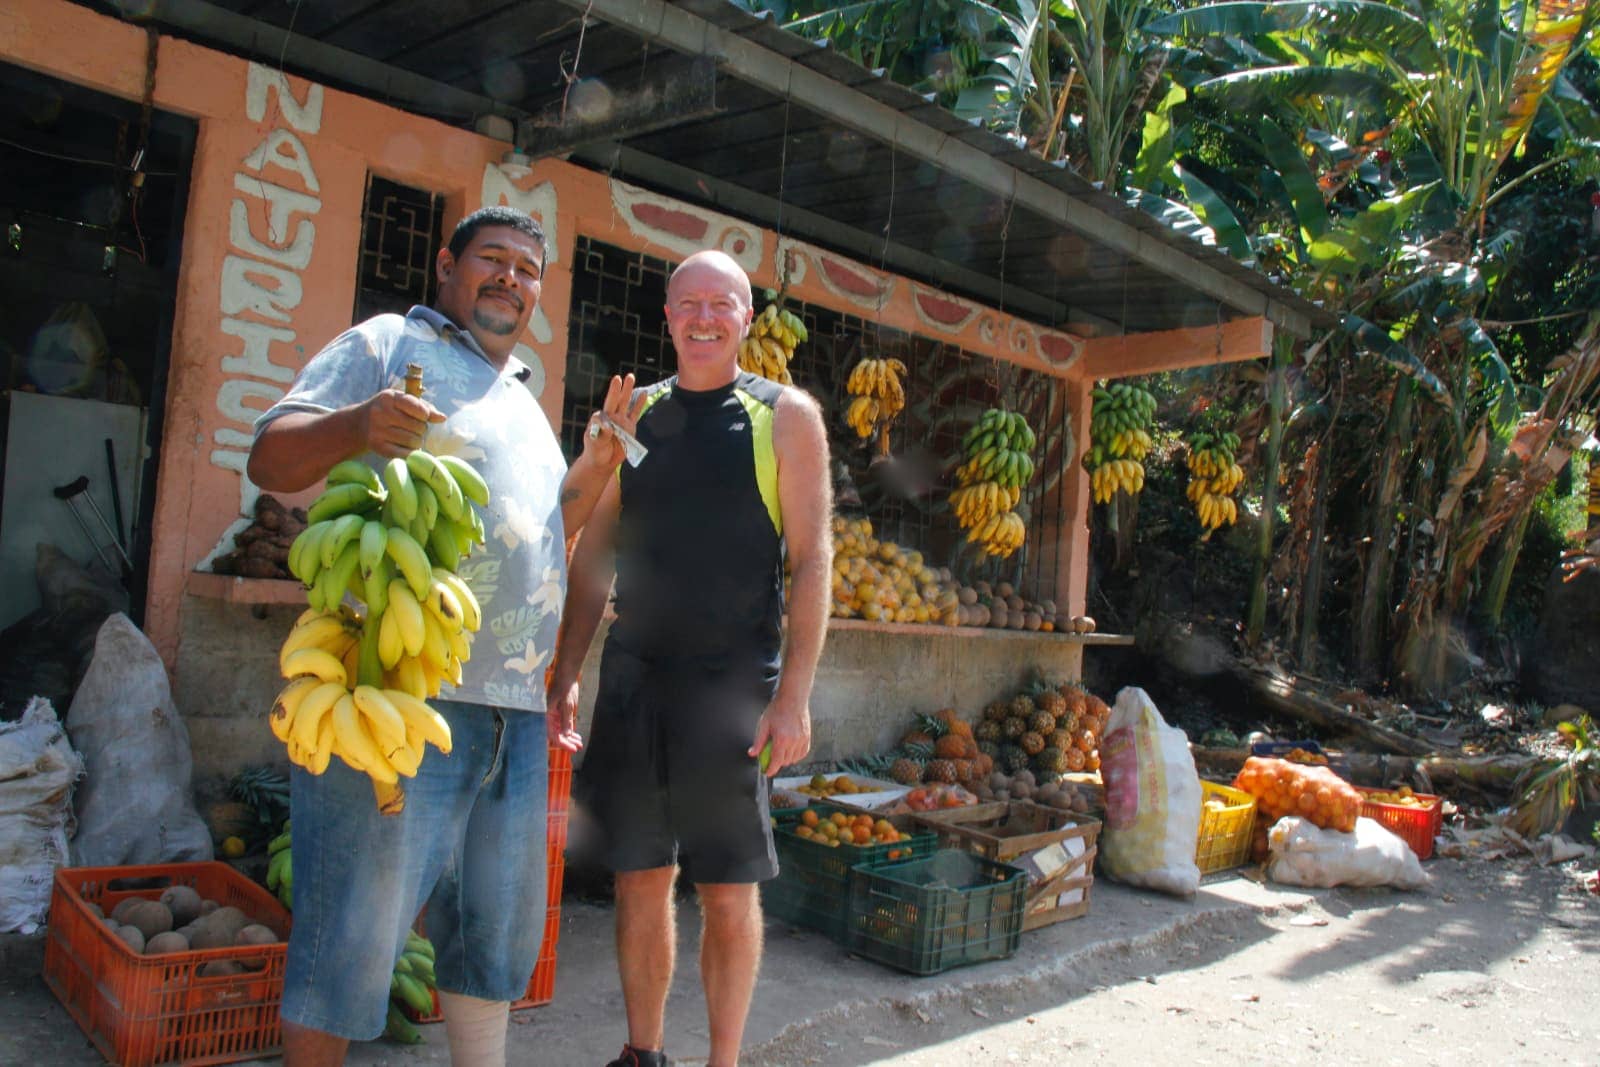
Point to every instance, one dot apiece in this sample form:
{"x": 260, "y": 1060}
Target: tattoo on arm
{"x": 570, "y": 494}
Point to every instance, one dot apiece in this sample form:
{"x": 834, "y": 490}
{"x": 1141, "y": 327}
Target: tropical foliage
{"x": 1427, "y": 169}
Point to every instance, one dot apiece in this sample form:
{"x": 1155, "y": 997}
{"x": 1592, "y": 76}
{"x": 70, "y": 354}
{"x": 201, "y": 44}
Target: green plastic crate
{"x": 928, "y": 915}
{"x": 812, "y": 888}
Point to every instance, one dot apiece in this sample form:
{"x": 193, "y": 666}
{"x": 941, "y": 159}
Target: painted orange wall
{"x": 270, "y": 259}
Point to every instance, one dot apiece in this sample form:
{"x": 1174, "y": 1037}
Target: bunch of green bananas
{"x": 280, "y": 868}
{"x": 877, "y": 394}
{"x": 1119, "y": 439}
{"x": 998, "y": 464}
{"x": 358, "y": 681}
{"x": 1213, "y": 476}
{"x": 411, "y": 989}
{"x": 769, "y": 344}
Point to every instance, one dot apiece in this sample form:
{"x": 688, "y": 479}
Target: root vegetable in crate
{"x": 1314, "y": 793}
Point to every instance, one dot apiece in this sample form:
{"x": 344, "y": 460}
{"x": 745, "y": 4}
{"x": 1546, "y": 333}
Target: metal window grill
{"x": 401, "y": 234}
{"x": 618, "y": 325}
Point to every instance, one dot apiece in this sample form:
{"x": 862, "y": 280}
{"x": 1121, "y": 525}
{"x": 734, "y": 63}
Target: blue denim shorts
{"x": 470, "y": 845}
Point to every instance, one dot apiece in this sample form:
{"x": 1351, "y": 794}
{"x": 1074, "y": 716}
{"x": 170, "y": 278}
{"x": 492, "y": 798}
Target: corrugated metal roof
{"x": 1074, "y": 254}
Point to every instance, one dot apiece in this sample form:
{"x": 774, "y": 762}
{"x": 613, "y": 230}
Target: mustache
{"x": 499, "y": 290}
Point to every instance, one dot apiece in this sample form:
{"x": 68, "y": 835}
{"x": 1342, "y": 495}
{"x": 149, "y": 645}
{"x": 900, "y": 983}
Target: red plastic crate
{"x": 1417, "y": 827}
{"x": 142, "y": 1010}
{"x": 542, "y": 986}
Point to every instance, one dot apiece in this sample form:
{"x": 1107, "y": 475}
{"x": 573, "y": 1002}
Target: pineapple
{"x": 1093, "y": 705}
{"x": 1053, "y": 702}
{"x": 1052, "y": 759}
{"x": 1012, "y": 759}
{"x": 966, "y": 770}
{"x": 987, "y": 730}
{"x": 984, "y": 764}
{"x": 1031, "y": 742}
{"x": 1076, "y": 698}
{"x": 996, "y": 711}
{"x": 1059, "y": 738}
{"x": 1022, "y": 706}
{"x": 1047, "y": 777}
{"x": 906, "y": 771}
{"x": 916, "y": 736}
{"x": 941, "y": 770}
{"x": 1013, "y": 728}
{"x": 1041, "y": 722}
{"x": 950, "y": 746}
{"x": 954, "y": 723}
{"x": 989, "y": 748}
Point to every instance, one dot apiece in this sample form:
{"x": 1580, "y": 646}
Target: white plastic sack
{"x": 135, "y": 805}
{"x": 1307, "y": 855}
{"x": 1152, "y": 799}
{"x": 37, "y": 771}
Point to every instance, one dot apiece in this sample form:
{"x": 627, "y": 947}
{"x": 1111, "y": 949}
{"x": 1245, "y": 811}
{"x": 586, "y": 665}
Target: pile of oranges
{"x": 1316, "y": 793}
{"x": 841, "y": 828}
{"x": 882, "y": 582}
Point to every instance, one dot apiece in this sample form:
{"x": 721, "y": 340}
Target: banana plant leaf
{"x": 1175, "y": 215}
{"x": 1305, "y": 199}
{"x": 1373, "y": 340}
{"x": 1372, "y": 22}
{"x": 1263, "y": 88}
{"x": 1226, "y": 228}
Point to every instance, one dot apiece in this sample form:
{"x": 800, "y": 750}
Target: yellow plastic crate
{"x": 1225, "y": 832}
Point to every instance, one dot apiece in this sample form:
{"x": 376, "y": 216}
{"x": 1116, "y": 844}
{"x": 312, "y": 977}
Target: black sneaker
{"x": 633, "y": 1057}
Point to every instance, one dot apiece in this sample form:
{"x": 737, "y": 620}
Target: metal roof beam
{"x": 802, "y": 224}
{"x": 668, "y": 93}
{"x": 676, "y": 28}
{"x": 269, "y": 43}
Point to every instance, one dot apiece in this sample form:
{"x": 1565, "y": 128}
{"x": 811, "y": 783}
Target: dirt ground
{"x": 1495, "y": 962}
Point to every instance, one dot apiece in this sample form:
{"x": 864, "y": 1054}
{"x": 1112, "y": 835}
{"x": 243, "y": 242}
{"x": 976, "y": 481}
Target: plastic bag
{"x": 37, "y": 772}
{"x": 135, "y": 805}
{"x": 1152, "y": 799}
{"x": 1309, "y": 856}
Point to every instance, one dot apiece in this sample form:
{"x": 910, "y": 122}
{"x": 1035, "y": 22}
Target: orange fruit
{"x": 862, "y": 835}
{"x": 808, "y": 817}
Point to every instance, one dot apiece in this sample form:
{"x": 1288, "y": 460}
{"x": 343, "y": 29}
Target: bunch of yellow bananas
{"x": 358, "y": 681}
{"x": 878, "y": 394}
{"x": 770, "y": 343}
{"x": 990, "y": 482}
{"x": 1000, "y": 534}
{"x": 1213, "y": 476}
{"x": 1119, "y": 439}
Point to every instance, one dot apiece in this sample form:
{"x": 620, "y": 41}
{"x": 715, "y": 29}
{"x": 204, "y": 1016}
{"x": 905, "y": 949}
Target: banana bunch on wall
{"x": 1119, "y": 439}
{"x": 1213, "y": 478}
{"x": 769, "y": 344}
{"x": 360, "y": 676}
{"x": 989, "y": 482}
{"x": 877, "y": 394}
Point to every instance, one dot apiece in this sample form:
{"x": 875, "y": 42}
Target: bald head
{"x": 711, "y": 268}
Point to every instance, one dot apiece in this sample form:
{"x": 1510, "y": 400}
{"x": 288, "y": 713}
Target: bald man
{"x": 696, "y": 678}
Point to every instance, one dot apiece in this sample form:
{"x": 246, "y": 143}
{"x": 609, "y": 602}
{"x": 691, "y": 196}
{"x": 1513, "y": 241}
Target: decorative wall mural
{"x": 681, "y": 228}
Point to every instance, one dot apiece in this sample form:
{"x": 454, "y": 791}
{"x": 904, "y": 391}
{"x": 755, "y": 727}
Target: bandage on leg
{"x": 476, "y": 1029}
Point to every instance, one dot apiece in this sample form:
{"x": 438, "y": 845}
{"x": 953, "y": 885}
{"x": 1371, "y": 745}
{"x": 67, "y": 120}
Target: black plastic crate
{"x": 928, "y": 915}
{"x": 812, "y": 888}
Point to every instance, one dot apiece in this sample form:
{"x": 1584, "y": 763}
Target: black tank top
{"x": 700, "y": 535}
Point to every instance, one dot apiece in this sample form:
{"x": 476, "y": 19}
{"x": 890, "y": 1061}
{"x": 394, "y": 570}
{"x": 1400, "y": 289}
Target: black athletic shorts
{"x": 667, "y": 776}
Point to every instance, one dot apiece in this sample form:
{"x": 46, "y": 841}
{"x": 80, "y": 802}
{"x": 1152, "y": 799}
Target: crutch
{"x": 71, "y": 493}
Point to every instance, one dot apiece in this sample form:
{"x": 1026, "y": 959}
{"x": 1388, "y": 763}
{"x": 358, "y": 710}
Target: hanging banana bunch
{"x": 990, "y": 481}
{"x": 359, "y": 677}
{"x": 1119, "y": 439}
{"x": 770, "y": 343}
{"x": 1213, "y": 477}
{"x": 877, "y": 394}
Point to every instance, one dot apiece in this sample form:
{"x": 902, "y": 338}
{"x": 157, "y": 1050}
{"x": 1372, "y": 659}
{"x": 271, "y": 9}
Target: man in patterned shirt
{"x": 470, "y": 841}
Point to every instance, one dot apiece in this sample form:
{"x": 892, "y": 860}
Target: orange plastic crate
{"x": 142, "y": 1010}
{"x": 1417, "y": 827}
{"x": 542, "y": 986}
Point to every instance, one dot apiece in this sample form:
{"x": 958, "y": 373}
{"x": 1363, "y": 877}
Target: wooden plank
{"x": 1128, "y": 355}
